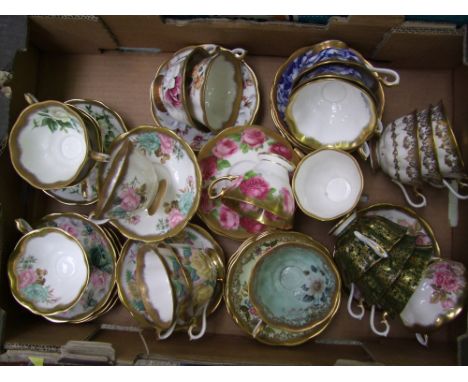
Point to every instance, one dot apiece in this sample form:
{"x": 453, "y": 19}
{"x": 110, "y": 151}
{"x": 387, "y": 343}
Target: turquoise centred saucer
{"x": 294, "y": 286}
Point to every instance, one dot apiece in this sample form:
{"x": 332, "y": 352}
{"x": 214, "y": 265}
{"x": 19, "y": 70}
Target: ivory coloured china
{"x": 330, "y": 112}
{"x": 195, "y": 137}
{"x": 218, "y": 156}
{"x": 173, "y": 161}
{"x": 48, "y": 271}
{"x": 327, "y": 184}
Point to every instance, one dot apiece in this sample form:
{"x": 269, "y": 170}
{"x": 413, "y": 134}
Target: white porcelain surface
{"x": 327, "y": 184}
{"x": 51, "y": 271}
{"x": 52, "y": 155}
{"x": 330, "y": 111}
{"x": 158, "y": 285}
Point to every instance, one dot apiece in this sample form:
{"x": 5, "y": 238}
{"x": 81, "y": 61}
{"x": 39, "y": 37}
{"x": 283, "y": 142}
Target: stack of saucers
{"x": 421, "y": 147}
{"x": 389, "y": 259}
{"x": 65, "y": 269}
{"x": 328, "y": 95}
{"x": 174, "y": 284}
{"x": 282, "y": 288}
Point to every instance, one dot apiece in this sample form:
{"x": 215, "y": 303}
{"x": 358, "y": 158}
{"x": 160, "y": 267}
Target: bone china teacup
{"x": 50, "y": 146}
{"x": 266, "y": 186}
{"x": 48, "y": 270}
{"x": 129, "y": 185}
{"x": 216, "y": 89}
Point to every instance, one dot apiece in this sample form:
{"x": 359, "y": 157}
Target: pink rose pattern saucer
{"x": 195, "y": 137}
{"x": 216, "y": 158}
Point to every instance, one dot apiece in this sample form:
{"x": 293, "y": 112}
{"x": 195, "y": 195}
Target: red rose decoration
{"x": 208, "y": 167}
{"x": 253, "y": 137}
{"x": 251, "y": 225}
{"x": 282, "y": 150}
{"x": 224, "y": 148}
{"x": 255, "y": 187}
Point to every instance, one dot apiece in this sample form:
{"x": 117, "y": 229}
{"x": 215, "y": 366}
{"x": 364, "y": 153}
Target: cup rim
{"x": 17, "y": 253}
{"x": 15, "y": 151}
{"x": 143, "y": 288}
{"x": 295, "y": 194}
{"x": 314, "y": 144}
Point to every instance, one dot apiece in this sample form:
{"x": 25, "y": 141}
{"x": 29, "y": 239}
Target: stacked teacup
{"x": 421, "y": 147}
{"x": 328, "y": 95}
{"x": 202, "y": 87}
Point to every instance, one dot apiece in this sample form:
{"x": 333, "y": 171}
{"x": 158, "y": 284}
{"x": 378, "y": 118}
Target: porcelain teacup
{"x": 129, "y": 184}
{"x": 216, "y": 89}
{"x": 327, "y": 184}
{"x": 266, "y": 185}
{"x": 294, "y": 286}
{"x": 48, "y": 270}
{"x": 51, "y": 146}
{"x": 331, "y": 113}
{"x": 203, "y": 273}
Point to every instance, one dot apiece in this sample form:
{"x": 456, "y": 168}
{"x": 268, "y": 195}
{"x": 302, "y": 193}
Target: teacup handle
{"x": 378, "y": 250}
{"x": 258, "y": 328}
{"x": 210, "y": 48}
{"x": 97, "y": 221}
{"x": 23, "y": 226}
{"x": 364, "y": 151}
{"x": 30, "y": 98}
{"x": 210, "y": 190}
{"x": 383, "y": 333}
{"x": 357, "y": 316}
{"x": 423, "y": 202}
{"x": 387, "y": 73}
{"x": 423, "y": 339}
{"x": 455, "y": 192}
{"x": 164, "y": 335}
{"x": 156, "y": 92}
{"x": 84, "y": 188}
{"x": 99, "y": 157}
{"x": 162, "y": 188}
{"x": 194, "y": 325}
{"x": 239, "y": 53}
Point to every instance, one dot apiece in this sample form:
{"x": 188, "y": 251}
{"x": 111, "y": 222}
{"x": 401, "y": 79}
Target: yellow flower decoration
{"x": 203, "y": 294}
{"x": 201, "y": 264}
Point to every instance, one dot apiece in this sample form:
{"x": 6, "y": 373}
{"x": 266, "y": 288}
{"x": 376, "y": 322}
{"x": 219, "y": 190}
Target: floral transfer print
{"x": 55, "y": 118}
{"x": 162, "y": 146}
{"x": 101, "y": 260}
{"x": 130, "y": 197}
{"x": 32, "y": 282}
{"x": 173, "y": 93}
{"x": 130, "y": 286}
{"x": 448, "y": 283}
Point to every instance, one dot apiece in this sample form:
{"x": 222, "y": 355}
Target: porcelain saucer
{"x": 102, "y": 259}
{"x": 175, "y": 162}
{"x": 195, "y": 137}
{"x": 236, "y": 293}
{"x": 231, "y": 146}
{"x": 111, "y": 126}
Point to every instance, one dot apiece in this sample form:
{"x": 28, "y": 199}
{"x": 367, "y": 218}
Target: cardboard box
{"x": 114, "y": 58}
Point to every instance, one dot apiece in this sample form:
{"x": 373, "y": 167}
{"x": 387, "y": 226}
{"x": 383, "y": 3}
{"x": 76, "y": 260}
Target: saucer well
{"x": 196, "y": 138}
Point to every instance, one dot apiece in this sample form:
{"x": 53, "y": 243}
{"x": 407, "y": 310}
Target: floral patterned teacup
{"x": 48, "y": 270}
{"x": 51, "y": 146}
{"x": 203, "y": 273}
{"x": 266, "y": 185}
{"x": 216, "y": 89}
{"x": 439, "y": 297}
{"x": 130, "y": 185}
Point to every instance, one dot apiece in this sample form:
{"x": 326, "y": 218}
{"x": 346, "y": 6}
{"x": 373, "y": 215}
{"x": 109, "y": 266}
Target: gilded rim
{"x": 15, "y": 151}
{"x": 164, "y": 64}
{"x": 281, "y": 125}
{"x": 113, "y": 252}
{"x": 205, "y": 151}
{"x": 17, "y": 252}
{"x": 411, "y": 213}
{"x": 137, "y": 315}
{"x": 172, "y": 232}
{"x": 153, "y": 313}
{"x": 238, "y": 79}
{"x": 312, "y": 143}
{"x": 335, "y": 298}
{"x": 296, "y": 236}
{"x": 297, "y": 198}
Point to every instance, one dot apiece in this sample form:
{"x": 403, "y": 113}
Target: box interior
{"x": 114, "y": 58}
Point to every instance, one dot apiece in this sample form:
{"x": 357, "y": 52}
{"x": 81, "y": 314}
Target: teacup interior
{"x": 52, "y": 270}
{"x": 158, "y": 286}
{"x": 330, "y": 111}
{"x": 52, "y": 144}
{"x": 328, "y": 184}
{"x": 221, "y": 92}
